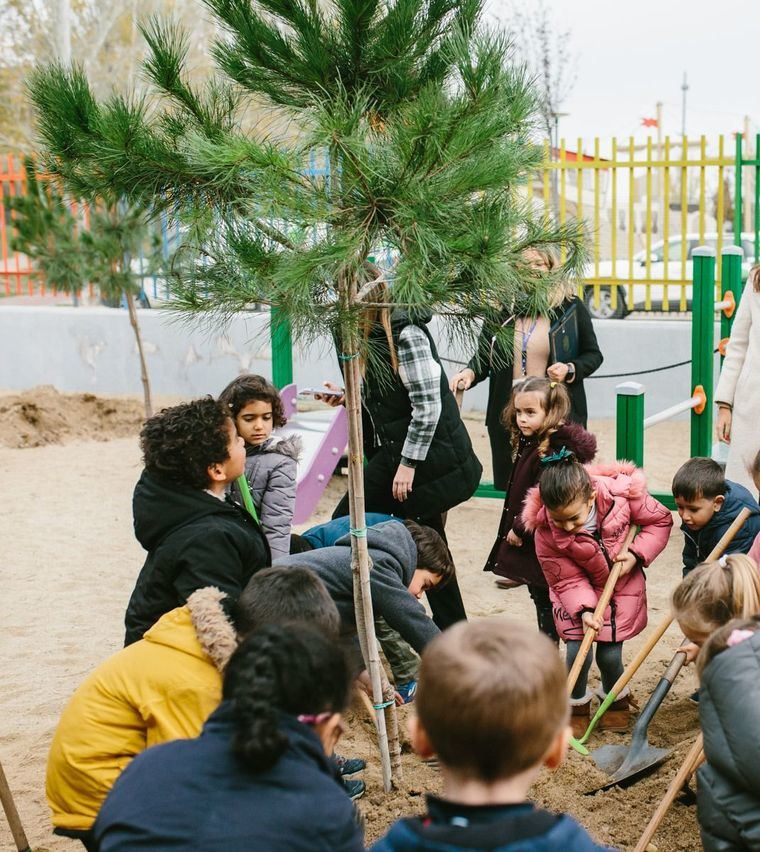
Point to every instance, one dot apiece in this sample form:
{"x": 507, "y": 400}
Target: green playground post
{"x": 702, "y": 346}
{"x": 731, "y": 278}
{"x": 630, "y": 423}
{"x": 282, "y": 349}
{"x": 738, "y": 192}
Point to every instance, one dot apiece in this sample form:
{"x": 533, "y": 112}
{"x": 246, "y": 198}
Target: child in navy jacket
{"x": 469, "y": 675}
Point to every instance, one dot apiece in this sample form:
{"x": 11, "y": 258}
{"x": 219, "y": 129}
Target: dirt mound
{"x": 42, "y": 416}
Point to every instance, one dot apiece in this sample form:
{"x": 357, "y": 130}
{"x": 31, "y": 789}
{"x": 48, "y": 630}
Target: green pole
{"x": 738, "y": 193}
{"x": 282, "y": 348}
{"x": 731, "y": 276}
{"x": 630, "y": 422}
{"x": 702, "y": 340}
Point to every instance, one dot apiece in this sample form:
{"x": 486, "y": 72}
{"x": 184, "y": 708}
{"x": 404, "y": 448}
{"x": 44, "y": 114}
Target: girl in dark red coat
{"x": 536, "y": 420}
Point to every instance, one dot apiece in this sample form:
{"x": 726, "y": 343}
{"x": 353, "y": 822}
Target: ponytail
{"x": 555, "y": 401}
{"x": 563, "y": 480}
{"x": 715, "y": 592}
{"x": 293, "y": 669}
{"x": 736, "y": 631}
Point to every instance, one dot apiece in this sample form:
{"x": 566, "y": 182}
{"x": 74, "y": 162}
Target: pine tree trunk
{"x": 141, "y": 353}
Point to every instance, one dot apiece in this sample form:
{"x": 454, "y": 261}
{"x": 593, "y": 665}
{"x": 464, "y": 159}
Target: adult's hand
{"x": 558, "y": 372}
{"x": 332, "y": 399}
{"x": 465, "y": 378}
{"x": 402, "y": 483}
{"x": 723, "y": 426}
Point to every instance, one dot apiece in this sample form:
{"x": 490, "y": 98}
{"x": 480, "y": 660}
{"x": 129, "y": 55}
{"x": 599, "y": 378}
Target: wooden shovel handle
{"x": 604, "y": 600}
{"x": 684, "y": 773}
{"x": 14, "y": 820}
{"x": 667, "y": 620}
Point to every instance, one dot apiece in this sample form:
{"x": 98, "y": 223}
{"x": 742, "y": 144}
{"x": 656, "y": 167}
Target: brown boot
{"x": 618, "y": 715}
{"x": 506, "y": 583}
{"x": 580, "y": 715}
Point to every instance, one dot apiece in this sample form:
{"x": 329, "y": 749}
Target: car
{"x": 634, "y": 298}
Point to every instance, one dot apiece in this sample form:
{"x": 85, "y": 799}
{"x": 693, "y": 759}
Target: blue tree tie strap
{"x": 342, "y": 356}
{"x": 385, "y": 704}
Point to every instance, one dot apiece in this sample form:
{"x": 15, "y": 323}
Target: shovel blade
{"x": 631, "y": 767}
{"x": 609, "y": 758}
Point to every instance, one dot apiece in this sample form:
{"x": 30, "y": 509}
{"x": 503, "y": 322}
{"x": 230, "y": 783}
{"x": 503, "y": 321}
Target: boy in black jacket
{"x": 492, "y": 705}
{"x": 708, "y": 504}
{"x": 194, "y": 536}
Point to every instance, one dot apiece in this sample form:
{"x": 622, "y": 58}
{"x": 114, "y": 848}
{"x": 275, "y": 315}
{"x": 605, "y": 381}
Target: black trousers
{"x": 544, "y": 615}
{"x": 446, "y": 603}
{"x": 501, "y": 455}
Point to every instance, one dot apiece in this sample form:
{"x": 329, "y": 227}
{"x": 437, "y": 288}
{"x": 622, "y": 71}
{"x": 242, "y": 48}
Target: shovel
{"x": 625, "y": 764}
{"x": 14, "y": 821}
{"x": 667, "y": 620}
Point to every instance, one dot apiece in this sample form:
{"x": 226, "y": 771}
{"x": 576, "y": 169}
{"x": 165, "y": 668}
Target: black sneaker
{"x": 355, "y": 789}
{"x": 349, "y": 765}
{"x": 694, "y": 697}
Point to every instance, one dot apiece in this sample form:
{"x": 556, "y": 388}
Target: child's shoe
{"x": 580, "y": 714}
{"x": 349, "y": 765}
{"x": 407, "y": 691}
{"x": 618, "y": 714}
{"x": 506, "y": 583}
{"x": 355, "y": 789}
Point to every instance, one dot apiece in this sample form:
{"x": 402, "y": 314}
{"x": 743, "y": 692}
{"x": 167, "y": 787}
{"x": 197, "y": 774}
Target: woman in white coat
{"x": 738, "y": 393}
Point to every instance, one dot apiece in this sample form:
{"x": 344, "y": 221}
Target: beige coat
{"x": 739, "y": 385}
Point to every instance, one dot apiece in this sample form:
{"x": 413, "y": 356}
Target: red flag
{"x": 649, "y": 122}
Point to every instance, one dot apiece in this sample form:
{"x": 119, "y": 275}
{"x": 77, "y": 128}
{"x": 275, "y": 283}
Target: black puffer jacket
{"x": 450, "y": 472}
{"x": 728, "y": 789}
{"x": 193, "y": 540}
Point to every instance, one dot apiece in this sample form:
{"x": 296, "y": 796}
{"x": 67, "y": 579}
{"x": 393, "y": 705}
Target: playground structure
{"x": 631, "y": 422}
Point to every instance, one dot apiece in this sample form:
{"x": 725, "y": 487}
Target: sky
{"x": 633, "y": 54}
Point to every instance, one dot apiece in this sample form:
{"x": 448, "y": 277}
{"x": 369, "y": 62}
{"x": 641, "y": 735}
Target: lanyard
{"x": 524, "y": 344}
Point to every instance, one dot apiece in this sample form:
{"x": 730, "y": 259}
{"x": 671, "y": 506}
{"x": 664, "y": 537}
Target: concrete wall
{"x": 93, "y": 349}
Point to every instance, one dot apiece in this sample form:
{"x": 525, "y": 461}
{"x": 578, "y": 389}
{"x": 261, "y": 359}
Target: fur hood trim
{"x": 292, "y": 447}
{"x": 213, "y": 628}
{"x": 634, "y": 487}
{"x": 575, "y": 438}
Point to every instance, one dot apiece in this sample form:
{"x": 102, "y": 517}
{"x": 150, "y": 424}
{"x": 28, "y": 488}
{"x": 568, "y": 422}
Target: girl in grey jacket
{"x": 271, "y": 462}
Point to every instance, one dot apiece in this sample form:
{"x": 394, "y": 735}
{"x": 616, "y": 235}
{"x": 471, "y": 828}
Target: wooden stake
{"x": 141, "y": 353}
{"x": 11, "y": 814}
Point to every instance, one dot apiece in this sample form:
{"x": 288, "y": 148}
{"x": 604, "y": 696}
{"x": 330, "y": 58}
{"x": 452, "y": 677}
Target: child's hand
{"x": 514, "y": 539}
{"x": 691, "y": 649}
{"x": 628, "y": 561}
{"x": 591, "y": 623}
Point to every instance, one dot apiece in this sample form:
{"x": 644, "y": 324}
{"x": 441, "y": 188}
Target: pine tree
{"x": 420, "y": 123}
{"x": 69, "y": 252}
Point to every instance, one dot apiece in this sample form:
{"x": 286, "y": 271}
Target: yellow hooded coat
{"x": 158, "y": 689}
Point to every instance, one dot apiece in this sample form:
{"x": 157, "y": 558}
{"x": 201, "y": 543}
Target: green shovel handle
{"x": 245, "y": 492}
{"x": 603, "y": 708}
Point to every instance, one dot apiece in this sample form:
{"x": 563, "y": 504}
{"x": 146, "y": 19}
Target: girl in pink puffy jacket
{"x": 580, "y": 517}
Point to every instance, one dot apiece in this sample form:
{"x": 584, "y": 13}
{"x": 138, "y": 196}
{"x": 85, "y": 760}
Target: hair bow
{"x": 562, "y": 455}
{"x": 738, "y": 636}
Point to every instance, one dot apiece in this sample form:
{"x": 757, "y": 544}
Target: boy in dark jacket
{"x": 407, "y": 560}
{"x": 489, "y": 758}
{"x": 708, "y": 504}
{"x": 194, "y": 536}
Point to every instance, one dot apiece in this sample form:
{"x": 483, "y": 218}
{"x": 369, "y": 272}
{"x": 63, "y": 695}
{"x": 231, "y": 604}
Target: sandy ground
{"x": 70, "y": 561}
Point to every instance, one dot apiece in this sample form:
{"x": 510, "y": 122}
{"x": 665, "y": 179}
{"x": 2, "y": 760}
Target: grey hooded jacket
{"x": 394, "y": 560}
{"x": 271, "y": 473}
{"x": 728, "y": 790}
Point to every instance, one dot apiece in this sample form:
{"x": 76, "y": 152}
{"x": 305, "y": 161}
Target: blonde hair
{"x": 715, "y": 592}
{"x": 492, "y": 697}
{"x": 379, "y": 313}
{"x": 720, "y": 641}
{"x": 555, "y": 402}
{"x": 563, "y": 289}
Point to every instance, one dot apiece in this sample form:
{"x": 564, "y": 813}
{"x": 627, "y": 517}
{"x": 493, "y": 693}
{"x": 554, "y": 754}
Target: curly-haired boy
{"x": 194, "y": 536}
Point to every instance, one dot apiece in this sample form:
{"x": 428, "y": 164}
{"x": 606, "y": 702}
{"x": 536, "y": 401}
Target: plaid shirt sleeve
{"x": 421, "y": 376}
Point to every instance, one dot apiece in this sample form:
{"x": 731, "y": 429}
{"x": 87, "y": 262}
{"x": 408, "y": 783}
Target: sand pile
{"x": 43, "y": 416}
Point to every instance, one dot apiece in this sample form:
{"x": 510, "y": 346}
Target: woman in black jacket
{"x": 531, "y": 357}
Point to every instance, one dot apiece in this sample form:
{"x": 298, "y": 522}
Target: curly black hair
{"x": 286, "y": 668}
{"x": 181, "y": 443}
{"x": 251, "y": 388}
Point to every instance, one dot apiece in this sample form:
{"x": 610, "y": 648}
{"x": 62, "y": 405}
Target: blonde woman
{"x": 738, "y": 393}
{"x": 531, "y": 358}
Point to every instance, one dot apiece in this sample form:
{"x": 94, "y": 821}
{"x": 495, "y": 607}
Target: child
{"x": 270, "y": 461}
{"x": 708, "y": 504}
{"x": 194, "y": 537}
{"x": 407, "y": 561}
{"x": 728, "y": 792}
{"x": 164, "y": 687}
{"x": 713, "y": 593}
{"x": 580, "y": 518}
{"x": 489, "y": 758}
{"x": 536, "y": 419}
{"x": 259, "y": 776}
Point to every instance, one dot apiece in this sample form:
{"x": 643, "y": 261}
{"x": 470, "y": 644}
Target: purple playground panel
{"x": 324, "y": 438}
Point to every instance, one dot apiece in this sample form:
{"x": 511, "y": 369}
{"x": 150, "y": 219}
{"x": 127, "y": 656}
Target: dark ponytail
{"x": 293, "y": 669}
{"x": 563, "y": 480}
